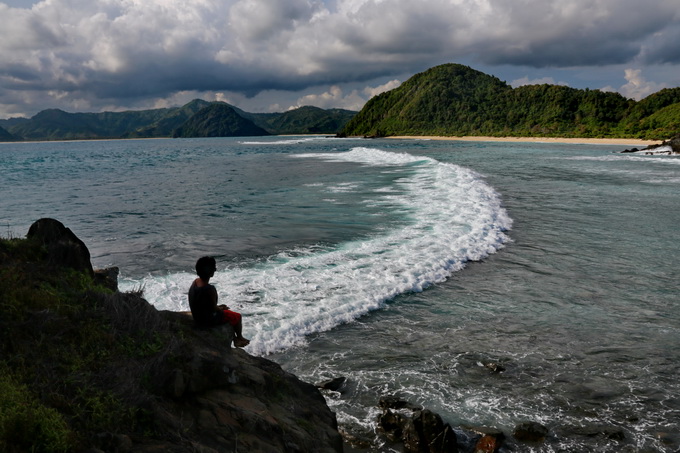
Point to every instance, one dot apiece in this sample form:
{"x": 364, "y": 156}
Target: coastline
{"x": 580, "y": 141}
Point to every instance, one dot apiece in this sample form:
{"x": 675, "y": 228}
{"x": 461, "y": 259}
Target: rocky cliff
{"x": 84, "y": 367}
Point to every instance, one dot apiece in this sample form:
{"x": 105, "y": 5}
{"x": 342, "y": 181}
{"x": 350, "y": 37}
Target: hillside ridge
{"x": 456, "y": 100}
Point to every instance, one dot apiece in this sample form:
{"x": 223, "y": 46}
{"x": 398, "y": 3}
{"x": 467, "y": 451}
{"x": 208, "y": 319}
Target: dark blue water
{"x": 404, "y": 266}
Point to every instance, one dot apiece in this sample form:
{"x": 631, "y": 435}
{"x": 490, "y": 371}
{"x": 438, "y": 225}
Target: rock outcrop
{"x": 228, "y": 400}
{"x": 121, "y": 376}
{"x": 64, "y": 248}
{"x": 420, "y": 430}
{"x": 667, "y": 147}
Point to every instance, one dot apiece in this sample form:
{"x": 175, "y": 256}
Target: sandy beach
{"x": 584, "y": 141}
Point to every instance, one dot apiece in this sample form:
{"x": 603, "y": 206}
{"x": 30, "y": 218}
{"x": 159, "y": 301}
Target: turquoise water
{"x": 404, "y": 266}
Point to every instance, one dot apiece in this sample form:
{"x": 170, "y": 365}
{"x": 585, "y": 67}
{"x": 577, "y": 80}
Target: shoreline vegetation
{"x": 470, "y": 138}
{"x": 571, "y": 140}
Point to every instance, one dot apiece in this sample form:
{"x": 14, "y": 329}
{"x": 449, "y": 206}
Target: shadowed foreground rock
{"x": 229, "y": 400}
{"x": 181, "y": 388}
{"x": 64, "y": 248}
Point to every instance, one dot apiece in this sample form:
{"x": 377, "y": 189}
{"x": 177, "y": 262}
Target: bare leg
{"x": 239, "y": 340}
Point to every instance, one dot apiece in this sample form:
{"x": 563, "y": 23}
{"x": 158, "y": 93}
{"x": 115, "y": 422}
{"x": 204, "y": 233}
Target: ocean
{"x": 405, "y": 266}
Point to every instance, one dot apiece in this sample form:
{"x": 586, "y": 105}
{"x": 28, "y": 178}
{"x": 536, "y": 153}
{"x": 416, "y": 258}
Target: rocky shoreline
{"x": 668, "y": 148}
{"x": 192, "y": 391}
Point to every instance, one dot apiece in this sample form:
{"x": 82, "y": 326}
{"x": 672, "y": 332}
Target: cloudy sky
{"x": 272, "y": 55}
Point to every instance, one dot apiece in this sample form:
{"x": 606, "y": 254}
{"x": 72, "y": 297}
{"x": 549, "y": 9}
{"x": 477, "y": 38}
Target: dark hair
{"x": 205, "y": 267}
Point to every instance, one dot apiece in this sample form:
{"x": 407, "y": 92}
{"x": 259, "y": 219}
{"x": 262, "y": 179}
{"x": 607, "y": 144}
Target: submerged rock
{"x": 335, "y": 385}
{"x": 530, "y": 432}
{"x": 495, "y": 367}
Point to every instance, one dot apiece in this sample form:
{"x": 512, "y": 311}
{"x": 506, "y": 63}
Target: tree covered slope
{"x": 455, "y": 100}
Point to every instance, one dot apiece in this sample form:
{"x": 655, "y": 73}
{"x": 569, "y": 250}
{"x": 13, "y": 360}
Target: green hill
{"x": 646, "y": 120}
{"x": 303, "y": 120}
{"x": 445, "y": 100}
{"x": 218, "y": 120}
{"x": 167, "y": 124}
{"x": 6, "y": 136}
{"x": 455, "y": 100}
{"x": 54, "y": 124}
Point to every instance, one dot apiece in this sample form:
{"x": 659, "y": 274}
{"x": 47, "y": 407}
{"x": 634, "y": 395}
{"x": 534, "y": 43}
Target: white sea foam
{"x": 454, "y": 217}
{"x": 661, "y": 159}
{"x": 287, "y": 141}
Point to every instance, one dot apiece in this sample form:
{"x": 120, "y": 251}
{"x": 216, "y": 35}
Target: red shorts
{"x": 230, "y": 317}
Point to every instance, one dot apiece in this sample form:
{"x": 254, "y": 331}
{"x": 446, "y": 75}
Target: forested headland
{"x": 456, "y": 100}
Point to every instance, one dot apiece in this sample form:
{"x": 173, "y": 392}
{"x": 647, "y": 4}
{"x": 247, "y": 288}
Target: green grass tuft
{"x": 78, "y": 360}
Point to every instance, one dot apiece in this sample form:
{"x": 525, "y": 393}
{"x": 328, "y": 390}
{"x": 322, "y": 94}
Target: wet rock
{"x": 421, "y": 431}
{"x": 671, "y": 146}
{"x": 334, "y": 384}
{"x": 495, "y": 367}
{"x": 605, "y": 431}
{"x": 394, "y": 402}
{"x": 530, "y": 432}
{"x": 488, "y": 444}
{"x": 392, "y": 425}
{"x": 490, "y": 440}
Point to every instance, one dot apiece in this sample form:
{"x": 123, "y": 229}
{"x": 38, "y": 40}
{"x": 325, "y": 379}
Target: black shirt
{"x": 203, "y": 304}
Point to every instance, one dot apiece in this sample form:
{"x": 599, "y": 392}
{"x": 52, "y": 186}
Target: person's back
{"x": 202, "y": 305}
{"x": 203, "y": 302}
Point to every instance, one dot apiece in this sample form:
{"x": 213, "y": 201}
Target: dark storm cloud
{"x": 114, "y": 53}
{"x": 664, "y": 47}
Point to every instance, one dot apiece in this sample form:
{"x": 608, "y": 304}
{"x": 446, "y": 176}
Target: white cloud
{"x": 336, "y": 98}
{"x": 133, "y": 52}
{"x": 374, "y": 91}
{"x": 637, "y": 87}
{"x": 544, "y": 80}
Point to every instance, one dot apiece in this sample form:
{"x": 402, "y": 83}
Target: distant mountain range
{"x": 455, "y": 100}
{"x": 447, "y": 100}
{"x": 198, "y": 118}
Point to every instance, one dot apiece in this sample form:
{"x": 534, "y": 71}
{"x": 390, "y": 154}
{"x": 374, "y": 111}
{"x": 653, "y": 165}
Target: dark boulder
{"x": 335, "y": 385}
{"x": 394, "y": 402}
{"x": 600, "y": 430}
{"x": 421, "y": 431}
{"x": 530, "y": 432}
{"x": 64, "y": 248}
{"x": 107, "y": 277}
{"x": 431, "y": 434}
{"x": 673, "y": 144}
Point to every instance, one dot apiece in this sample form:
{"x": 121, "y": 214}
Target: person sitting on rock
{"x": 203, "y": 302}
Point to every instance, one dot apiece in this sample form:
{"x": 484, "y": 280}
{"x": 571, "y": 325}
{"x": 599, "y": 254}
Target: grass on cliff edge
{"x": 78, "y": 362}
